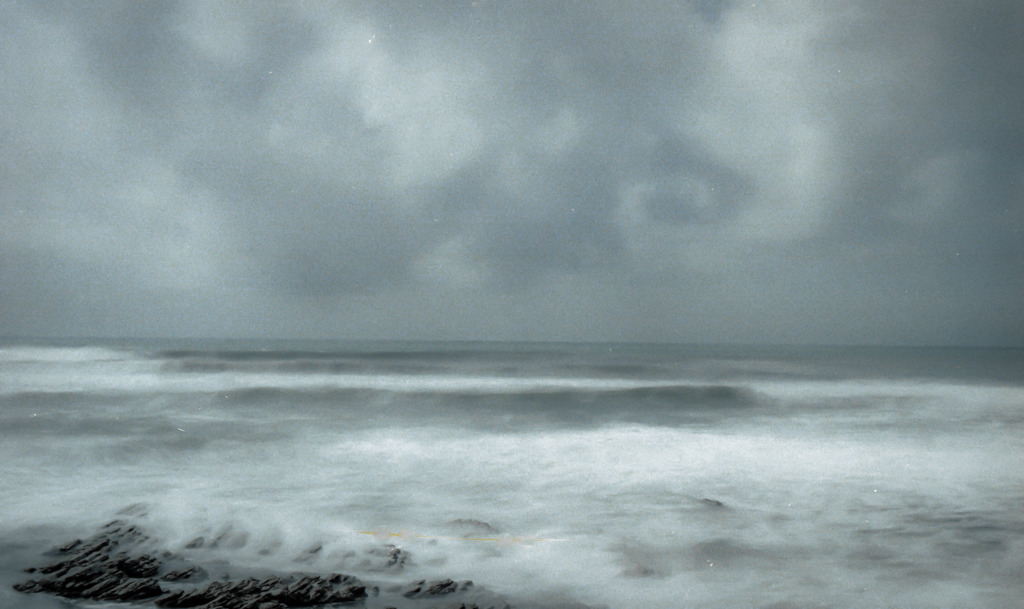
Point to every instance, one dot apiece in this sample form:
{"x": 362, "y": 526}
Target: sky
{"x": 696, "y": 171}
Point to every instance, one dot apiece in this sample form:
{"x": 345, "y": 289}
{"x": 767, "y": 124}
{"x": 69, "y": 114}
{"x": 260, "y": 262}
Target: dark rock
{"x": 252, "y": 593}
{"x": 385, "y": 558}
{"x": 64, "y": 549}
{"x": 28, "y": 587}
{"x": 122, "y": 532}
{"x": 476, "y": 526}
{"x": 188, "y": 573}
{"x": 139, "y": 566}
{"x": 423, "y": 588}
{"x": 134, "y": 590}
{"x": 95, "y": 583}
{"x": 111, "y": 567}
{"x": 101, "y": 568}
{"x": 121, "y": 563}
{"x": 394, "y": 557}
{"x": 342, "y": 579}
{"x": 714, "y": 503}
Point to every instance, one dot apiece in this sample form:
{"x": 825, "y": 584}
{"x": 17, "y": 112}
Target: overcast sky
{"x": 787, "y": 171}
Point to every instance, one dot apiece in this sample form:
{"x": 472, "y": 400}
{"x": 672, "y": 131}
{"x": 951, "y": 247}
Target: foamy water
{"x": 618, "y": 476}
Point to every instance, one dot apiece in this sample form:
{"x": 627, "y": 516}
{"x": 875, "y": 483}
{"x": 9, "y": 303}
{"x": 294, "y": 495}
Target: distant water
{"x": 613, "y": 476}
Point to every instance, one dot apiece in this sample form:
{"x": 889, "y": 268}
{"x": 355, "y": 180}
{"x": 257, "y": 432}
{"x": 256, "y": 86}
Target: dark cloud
{"x": 706, "y": 171}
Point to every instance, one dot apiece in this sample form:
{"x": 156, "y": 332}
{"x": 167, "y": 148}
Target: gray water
{"x": 609, "y": 475}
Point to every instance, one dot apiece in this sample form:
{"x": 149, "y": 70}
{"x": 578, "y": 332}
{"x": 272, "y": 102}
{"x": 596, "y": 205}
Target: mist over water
{"x": 607, "y": 475}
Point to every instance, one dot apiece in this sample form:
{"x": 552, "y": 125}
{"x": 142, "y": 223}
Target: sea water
{"x": 603, "y": 475}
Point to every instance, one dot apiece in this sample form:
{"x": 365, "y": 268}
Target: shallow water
{"x": 608, "y": 475}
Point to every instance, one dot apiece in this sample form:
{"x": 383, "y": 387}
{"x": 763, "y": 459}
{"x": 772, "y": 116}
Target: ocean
{"x": 552, "y": 475}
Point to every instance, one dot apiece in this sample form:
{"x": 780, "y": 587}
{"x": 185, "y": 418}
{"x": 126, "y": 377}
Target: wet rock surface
{"x": 121, "y": 563}
{"x": 269, "y": 593}
{"x": 469, "y": 527}
{"x": 424, "y": 588}
{"x": 101, "y": 568}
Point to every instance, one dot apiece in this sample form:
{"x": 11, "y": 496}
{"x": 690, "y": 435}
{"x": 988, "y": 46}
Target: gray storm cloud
{"x": 795, "y": 172}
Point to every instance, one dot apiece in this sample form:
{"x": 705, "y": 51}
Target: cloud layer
{"x": 693, "y": 171}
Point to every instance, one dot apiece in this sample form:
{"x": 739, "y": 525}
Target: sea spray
{"x": 607, "y": 475}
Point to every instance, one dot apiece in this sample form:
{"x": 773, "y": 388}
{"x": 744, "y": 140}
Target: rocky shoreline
{"x": 121, "y": 564}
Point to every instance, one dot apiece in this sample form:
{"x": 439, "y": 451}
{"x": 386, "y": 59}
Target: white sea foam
{"x": 814, "y": 493}
{"x": 625, "y": 504}
{"x": 34, "y": 354}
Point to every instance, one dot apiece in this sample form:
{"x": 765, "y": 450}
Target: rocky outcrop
{"x": 269, "y": 593}
{"x": 101, "y": 568}
{"x": 426, "y": 589}
{"x": 122, "y": 563}
{"x": 471, "y": 526}
{"x": 388, "y": 558}
{"x": 114, "y": 566}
